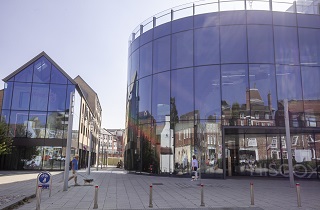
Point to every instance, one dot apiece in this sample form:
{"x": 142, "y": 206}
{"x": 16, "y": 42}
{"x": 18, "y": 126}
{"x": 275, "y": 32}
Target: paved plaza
{"x": 121, "y": 190}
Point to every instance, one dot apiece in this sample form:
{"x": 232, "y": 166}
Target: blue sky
{"x": 86, "y": 38}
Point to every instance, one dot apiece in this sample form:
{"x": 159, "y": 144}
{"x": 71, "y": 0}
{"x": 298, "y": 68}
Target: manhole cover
{"x": 157, "y": 183}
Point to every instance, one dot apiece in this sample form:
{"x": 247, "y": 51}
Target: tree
{"x": 5, "y": 140}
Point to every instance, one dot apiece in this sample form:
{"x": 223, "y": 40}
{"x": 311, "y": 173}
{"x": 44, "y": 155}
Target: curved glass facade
{"x": 213, "y": 85}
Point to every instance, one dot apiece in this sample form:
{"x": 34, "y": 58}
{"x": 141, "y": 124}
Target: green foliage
{"x": 5, "y": 140}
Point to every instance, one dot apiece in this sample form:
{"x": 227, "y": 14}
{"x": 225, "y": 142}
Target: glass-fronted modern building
{"x": 35, "y": 106}
{"x": 210, "y": 79}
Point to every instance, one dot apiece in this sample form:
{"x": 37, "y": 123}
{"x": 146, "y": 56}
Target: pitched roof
{"x": 35, "y": 59}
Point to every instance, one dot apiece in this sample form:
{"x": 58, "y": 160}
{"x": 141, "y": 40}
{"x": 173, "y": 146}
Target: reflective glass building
{"x": 210, "y": 79}
{"x": 35, "y": 106}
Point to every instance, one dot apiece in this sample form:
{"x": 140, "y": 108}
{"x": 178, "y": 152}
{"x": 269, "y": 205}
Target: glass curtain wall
{"x": 191, "y": 78}
{"x": 36, "y": 106}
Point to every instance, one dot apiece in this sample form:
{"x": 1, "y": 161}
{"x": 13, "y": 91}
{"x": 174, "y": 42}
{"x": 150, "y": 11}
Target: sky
{"x": 84, "y": 37}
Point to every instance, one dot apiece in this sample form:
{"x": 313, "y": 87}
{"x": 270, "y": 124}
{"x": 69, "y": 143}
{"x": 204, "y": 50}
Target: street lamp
{"x": 90, "y": 146}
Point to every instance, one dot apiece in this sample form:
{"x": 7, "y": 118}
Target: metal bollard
{"x": 38, "y": 196}
{"x": 251, "y": 193}
{"x": 298, "y": 194}
{"x": 150, "y": 197}
{"x": 95, "y": 205}
{"x": 202, "y": 201}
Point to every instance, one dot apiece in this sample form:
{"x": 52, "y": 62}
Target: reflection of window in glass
{"x": 295, "y": 140}
{"x": 274, "y": 154}
{"x": 256, "y": 115}
{"x": 252, "y": 142}
{"x": 266, "y": 116}
{"x": 283, "y": 142}
{"x": 284, "y": 155}
{"x": 241, "y": 115}
{"x": 274, "y": 142}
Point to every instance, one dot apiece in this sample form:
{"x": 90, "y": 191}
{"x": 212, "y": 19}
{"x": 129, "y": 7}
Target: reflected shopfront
{"x": 266, "y": 154}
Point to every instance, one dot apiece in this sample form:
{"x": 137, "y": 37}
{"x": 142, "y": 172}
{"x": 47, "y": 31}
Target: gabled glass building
{"x": 210, "y": 79}
{"x": 35, "y": 106}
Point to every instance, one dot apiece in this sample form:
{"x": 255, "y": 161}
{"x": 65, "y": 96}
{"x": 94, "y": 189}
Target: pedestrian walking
{"x": 195, "y": 166}
{"x": 74, "y": 169}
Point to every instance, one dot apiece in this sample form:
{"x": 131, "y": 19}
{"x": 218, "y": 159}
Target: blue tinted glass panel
{"x": 5, "y": 116}
{"x": 57, "y": 77}
{"x": 57, "y": 98}
{"x": 233, "y": 44}
{"x": 288, "y": 82}
{"x": 310, "y": 82}
{"x": 206, "y": 20}
{"x": 145, "y": 60}
{"x": 312, "y": 21}
{"x": 25, "y": 75}
{"x": 55, "y": 121}
{"x": 129, "y": 71}
{"x": 260, "y": 44}
{"x": 286, "y": 45}
{"x": 182, "y": 24}
{"x": 21, "y": 96}
{"x": 161, "y": 96}
{"x": 145, "y": 98}
{"x": 161, "y": 54}
{"x": 284, "y": 19}
{"x": 18, "y": 124}
{"x": 311, "y": 95}
{"x": 37, "y": 124}
{"x": 259, "y": 17}
{"x": 135, "y": 63}
{"x": 206, "y": 46}
{"x": 263, "y": 92}
{"x": 234, "y": 83}
{"x": 42, "y": 70}
{"x": 232, "y": 17}
{"x": 6, "y": 103}
{"x": 71, "y": 88}
{"x": 182, "y": 48}
{"x": 135, "y": 44}
{"x": 146, "y": 37}
{"x": 309, "y": 43}
{"x": 207, "y": 92}
{"x": 162, "y": 30}
{"x": 39, "y": 97}
{"x": 182, "y": 94}
{"x": 129, "y": 49}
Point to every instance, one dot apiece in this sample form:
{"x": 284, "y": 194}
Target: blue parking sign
{"x": 44, "y": 177}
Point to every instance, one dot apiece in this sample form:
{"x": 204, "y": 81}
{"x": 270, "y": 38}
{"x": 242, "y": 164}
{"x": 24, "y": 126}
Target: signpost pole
{"x": 69, "y": 139}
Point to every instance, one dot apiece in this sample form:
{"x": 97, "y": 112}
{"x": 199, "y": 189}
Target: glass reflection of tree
{"x": 149, "y": 156}
{"x": 174, "y": 117}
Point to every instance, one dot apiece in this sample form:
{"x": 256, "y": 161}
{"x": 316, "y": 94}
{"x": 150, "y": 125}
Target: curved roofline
{"x": 211, "y": 6}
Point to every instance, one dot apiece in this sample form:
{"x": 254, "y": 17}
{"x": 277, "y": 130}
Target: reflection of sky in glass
{"x": 209, "y": 6}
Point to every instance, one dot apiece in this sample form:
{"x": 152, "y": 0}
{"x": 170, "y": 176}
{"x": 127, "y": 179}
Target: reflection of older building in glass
{"x": 35, "y": 105}
{"x": 213, "y": 78}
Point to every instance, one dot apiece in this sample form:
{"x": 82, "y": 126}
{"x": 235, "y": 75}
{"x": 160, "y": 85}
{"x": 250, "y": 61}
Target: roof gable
{"x": 40, "y": 69}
